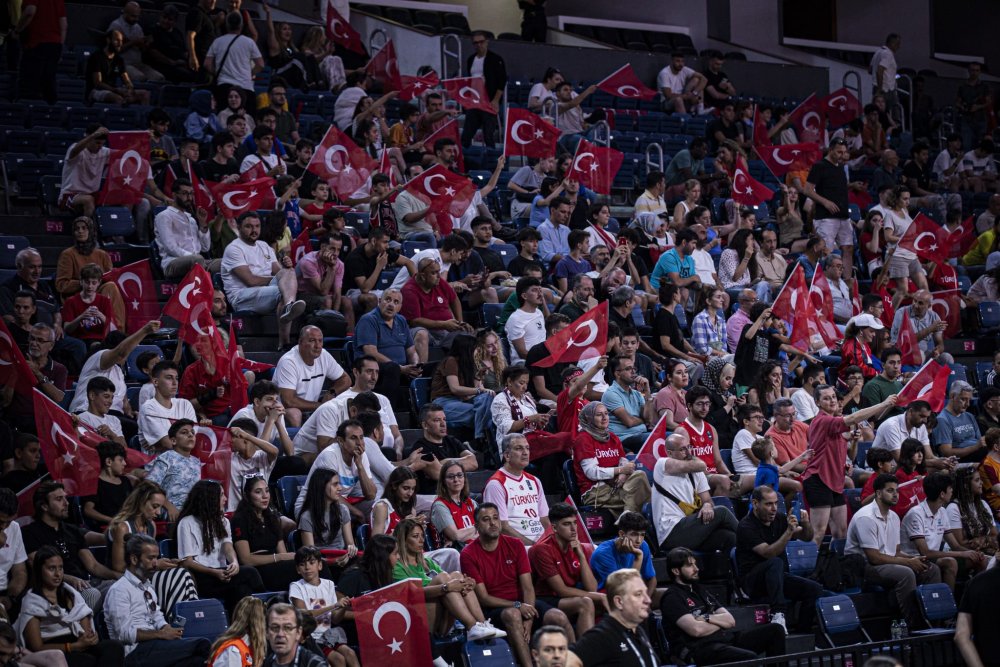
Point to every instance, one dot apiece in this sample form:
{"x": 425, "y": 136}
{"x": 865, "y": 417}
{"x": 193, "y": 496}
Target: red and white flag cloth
{"x": 340, "y": 31}
{"x": 384, "y": 68}
{"x": 948, "y": 306}
{"x": 469, "y": 92}
{"x": 822, "y": 311}
{"x": 911, "y": 494}
{"x": 655, "y": 447}
{"x": 582, "y": 533}
{"x": 128, "y": 169}
{"x": 782, "y": 159}
{"x": 809, "y": 120}
{"x": 963, "y": 238}
{"x": 906, "y": 342}
{"x": 237, "y": 198}
{"x": 929, "y": 384}
{"x": 341, "y": 163}
{"x": 447, "y": 131}
{"x": 392, "y": 625}
{"x": 191, "y": 306}
{"x": 585, "y": 338}
{"x": 747, "y": 191}
{"x": 841, "y": 107}
{"x": 443, "y": 190}
{"x": 760, "y": 138}
{"x": 928, "y": 239}
{"x": 416, "y": 86}
{"x": 135, "y": 282}
{"x": 213, "y": 447}
{"x": 529, "y": 135}
{"x": 624, "y": 82}
{"x": 792, "y": 306}
{"x": 14, "y": 369}
{"x": 596, "y": 166}
{"x": 301, "y": 244}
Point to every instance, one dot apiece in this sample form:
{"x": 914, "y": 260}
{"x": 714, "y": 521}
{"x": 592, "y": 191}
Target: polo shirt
{"x": 959, "y": 431}
{"x": 870, "y": 530}
{"x": 671, "y": 262}
{"x": 921, "y": 522}
{"x": 548, "y": 560}
{"x": 434, "y": 305}
{"x": 893, "y": 431}
{"x": 751, "y": 533}
{"x": 611, "y": 644}
{"x": 617, "y": 397}
{"x": 606, "y": 559}
{"x": 392, "y": 342}
{"x": 499, "y": 569}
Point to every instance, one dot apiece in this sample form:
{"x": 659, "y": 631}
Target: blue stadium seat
{"x": 410, "y": 248}
{"x": 204, "y": 618}
{"x": 362, "y": 535}
{"x": 982, "y": 369}
{"x": 989, "y": 316}
{"x": 168, "y": 548}
{"x": 839, "y": 622}
{"x": 420, "y": 393}
{"x": 9, "y": 247}
{"x": 937, "y": 605}
{"x": 863, "y": 448}
{"x": 507, "y": 252}
{"x": 132, "y": 372}
{"x": 288, "y": 490}
{"x": 727, "y": 458}
{"x": 114, "y": 221}
{"x": 801, "y": 557}
{"x": 491, "y": 313}
{"x": 385, "y": 278}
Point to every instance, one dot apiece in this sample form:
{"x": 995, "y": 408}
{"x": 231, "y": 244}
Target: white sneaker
{"x": 779, "y": 618}
{"x": 480, "y": 631}
{"x": 293, "y": 309}
{"x": 441, "y": 662}
{"x": 499, "y": 634}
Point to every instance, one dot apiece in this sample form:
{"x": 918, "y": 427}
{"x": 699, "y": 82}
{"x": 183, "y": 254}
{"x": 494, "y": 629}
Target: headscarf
{"x": 710, "y": 379}
{"x": 87, "y": 247}
{"x": 587, "y": 415}
{"x": 648, "y": 222}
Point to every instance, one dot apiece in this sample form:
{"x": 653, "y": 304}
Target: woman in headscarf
{"x": 718, "y": 379}
{"x": 85, "y": 251}
{"x": 657, "y": 240}
{"x": 605, "y": 477}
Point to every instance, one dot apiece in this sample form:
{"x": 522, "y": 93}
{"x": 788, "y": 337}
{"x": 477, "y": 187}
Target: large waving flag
{"x": 929, "y": 384}
{"x": 624, "y": 82}
{"x": 585, "y": 338}
{"x": 128, "y": 169}
{"x": 135, "y": 282}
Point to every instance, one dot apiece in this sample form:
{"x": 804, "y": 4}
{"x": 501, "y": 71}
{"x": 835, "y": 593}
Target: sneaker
{"x": 779, "y": 618}
{"x": 292, "y": 310}
{"x": 480, "y": 631}
{"x": 499, "y": 634}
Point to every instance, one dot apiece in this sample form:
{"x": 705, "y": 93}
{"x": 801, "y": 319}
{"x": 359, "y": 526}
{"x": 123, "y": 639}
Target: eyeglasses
{"x": 287, "y": 629}
{"x": 457, "y": 475}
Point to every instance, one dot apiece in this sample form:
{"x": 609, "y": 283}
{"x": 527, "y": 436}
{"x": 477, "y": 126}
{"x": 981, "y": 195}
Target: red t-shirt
{"x": 196, "y": 383}
{"x": 44, "y": 27}
{"x": 89, "y": 329}
{"x": 315, "y": 209}
{"x": 702, "y": 444}
{"x": 829, "y": 451}
{"x": 434, "y": 305}
{"x": 547, "y": 560}
{"x": 608, "y": 454}
{"x": 497, "y": 569}
{"x": 568, "y": 415}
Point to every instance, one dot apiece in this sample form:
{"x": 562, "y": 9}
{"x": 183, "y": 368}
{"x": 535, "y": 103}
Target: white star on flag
{"x": 449, "y": 191}
{"x": 68, "y": 458}
{"x": 593, "y": 166}
{"x": 253, "y": 193}
{"x": 395, "y": 645}
{"x": 135, "y": 304}
{"x": 933, "y": 247}
{"x": 347, "y": 169}
{"x": 127, "y": 180}
{"x": 539, "y": 134}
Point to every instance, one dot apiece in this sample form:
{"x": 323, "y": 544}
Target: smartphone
{"x": 622, "y": 241}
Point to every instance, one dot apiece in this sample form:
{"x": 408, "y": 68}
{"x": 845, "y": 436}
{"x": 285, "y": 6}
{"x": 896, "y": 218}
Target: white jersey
{"x": 520, "y": 501}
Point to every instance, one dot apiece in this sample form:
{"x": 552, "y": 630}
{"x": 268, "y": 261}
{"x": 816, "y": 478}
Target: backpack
{"x": 837, "y": 573}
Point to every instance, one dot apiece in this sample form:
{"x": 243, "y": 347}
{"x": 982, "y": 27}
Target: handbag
{"x": 688, "y": 508}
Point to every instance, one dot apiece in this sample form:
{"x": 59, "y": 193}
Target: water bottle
{"x": 895, "y": 630}
{"x": 904, "y": 631}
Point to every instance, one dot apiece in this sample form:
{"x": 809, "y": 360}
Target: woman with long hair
{"x": 458, "y": 389}
{"x": 514, "y": 411}
{"x": 138, "y": 514}
{"x": 372, "y": 571}
{"x": 901, "y": 263}
{"x": 692, "y": 195}
{"x": 244, "y": 643}
{"x": 911, "y": 461}
{"x": 448, "y": 595}
{"x": 235, "y": 106}
{"x": 489, "y": 359}
{"x": 453, "y": 521}
{"x": 281, "y": 49}
{"x": 870, "y": 240}
{"x": 258, "y": 538}
{"x": 737, "y": 268}
{"x": 856, "y": 349}
{"x": 768, "y": 387}
{"x": 85, "y": 250}
{"x": 205, "y": 547}
{"x": 670, "y": 399}
{"x": 598, "y": 217}
{"x": 397, "y": 502}
{"x": 791, "y": 218}
{"x": 324, "y": 520}
{"x": 970, "y": 519}
{"x": 708, "y": 328}
{"x": 54, "y": 616}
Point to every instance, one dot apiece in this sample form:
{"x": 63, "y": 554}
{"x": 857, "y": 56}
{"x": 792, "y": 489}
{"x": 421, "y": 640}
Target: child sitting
{"x": 287, "y": 190}
{"x": 113, "y": 486}
{"x": 27, "y": 465}
{"x": 252, "y": 457}
{"x": 312, "y": 213}
{"x": 87, "y": 314}
{"x": 176, "y": 469}
{"x": 880, "y": 461}
{"x": 100, "y": 395}
{"x": 145, "y": 362}
{"x": 768, "y": 472}
{"x": 318, "y": 598}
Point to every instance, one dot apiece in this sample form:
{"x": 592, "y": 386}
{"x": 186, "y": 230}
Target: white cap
{"x": 867, "y": 320}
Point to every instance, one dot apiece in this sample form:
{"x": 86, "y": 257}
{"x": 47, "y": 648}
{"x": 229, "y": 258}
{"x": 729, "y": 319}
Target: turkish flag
{"x": 213, "y": 445}
{"x": 14, "y": 369}
{"x": 855, "y": 298}
{"x": 529, "y": 135}
{"x": 655, "y": 447}
{"x": 809, "y": 120}
{"x": 391, "y": 621}
{"x": 384, "y": 68}
{"x": 69, "y": 461}
{"x": 585, "y": 338}
{"x": 135, "y": 282}
{"x": 443, "y": 190}
{"x": 841, "y": 107}
{"x": 963, "y": 238}
{"x": 414, "y": 86}
{"x": 202, "y": 194}
{"x": 301, "y": 244}
{"x": 341, "y": 163}
{"x": 746, "y": 190}
{"x": 128, "y": 169}
{"x": 789, "y": 157}
{"x": 760, "y": 138}
{"x": 89, "y": 437}
{"x": 791, "y": 305}
{"x": 236, "y": 198}
{"x": 258, "y": 170}
{"x": 911, "y": 494}
{"x": 582, "y": 533}
{"x": 943, "y": 277}
{"x": 948, "y": 306}
{"x": 596, "y": 166}
{"x": 470, "y": 93}
{"x": 624, "y": 82}
{"x": 26, "y": 496}
{"x": 822, "y": 310}
{"x": 339, "y": 30}
{"x": 928, "y": 384}
{"x": 447, "y": 131}
{"x": 237, "y": 381}
{"x": 191, "y": 306}
{"x": 906, "y": 342}
{"x": 928, "y": 239}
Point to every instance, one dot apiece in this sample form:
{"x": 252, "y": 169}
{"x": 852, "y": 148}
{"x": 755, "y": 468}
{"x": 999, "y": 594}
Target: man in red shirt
{"x": 560, "y": 564}
{"x": 430, "y": 303}
{"x": 206, "y": 384}
{"x": 788, "y": 434}
{"x": 500, "y": 567}
{"x": 43, "y": 31}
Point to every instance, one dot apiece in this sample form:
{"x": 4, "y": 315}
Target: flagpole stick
{"x": 601, "y": 82}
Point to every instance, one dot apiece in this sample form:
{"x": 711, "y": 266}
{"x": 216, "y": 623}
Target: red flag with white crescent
{"x": 237, "y": 198}
{"x": 191, "y": 306}
{"x": 585, "y": 338}
{"x": 14, "y": 369}
{"x": 470, "y": 93}
{"x": 929, "y": 384}
{"x": 809, "y": 120}
{"x": 906, "y": 342}
{"x": 530, "y": 135}
{"x": 68, "y": 460}
{"x": 596, "y": 166}
{"x": 384, "y": 68}
{"x": 135, "y": 282}
{"x": 928, "y": 239}
{"x": 747, "y": 191}
{"x": 447, "y": 131}
{"x": 128, "y": 169}
{"x": 822, "y": 311}
{"x": 841, "y": 107}
{"x": 213, "y": 446}
{"x": 782, "y": 159}
{"x": 443, "y": 190}
{"x": 340, "y": 31}
{"x": 948, "y": 306}
{"x": 392, "y": 625}
{"x": 655, "y": 447}
{"x": 963, "y": 238}
{"x": 415, "y": 86}
{"x": 624, "y": 82}
{"x": 341, "y": 163}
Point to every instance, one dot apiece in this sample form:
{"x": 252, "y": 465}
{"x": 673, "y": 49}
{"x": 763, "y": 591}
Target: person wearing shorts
{"x": 903, "y": 263}
{"x": 823, "y": 478}
{"x": 827, "y": 187}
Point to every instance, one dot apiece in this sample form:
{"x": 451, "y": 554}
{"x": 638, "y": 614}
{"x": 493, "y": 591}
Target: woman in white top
{"x": 692, "y": 195}
{"x": 903, "y": 263}
{"x": 205, "y": 547}
{"x": 514, "y": 411}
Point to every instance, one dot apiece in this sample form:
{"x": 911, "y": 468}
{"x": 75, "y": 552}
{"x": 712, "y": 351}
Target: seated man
{"x": 630, "y": 406}
{"x": 761, "y": 539}
{"x": 383, "y": 334}
{"x": 301, "y": 372}
{"x": 525, "y": 327}
{"x": 874, "y": 534}
{"x": 365, "y": 370}
{"x": 629, "y": 551}
{"x": 436, "y": 446}
{"x": 546, "y": 383}
{"x": 345, "y": 455}
{"x": 911, "y": 424}
{"x": 156, "y": 414}
{"x": 431, "y": 305}
{"x": 518, "y": 495}
{"x": 957, "y": 432}
{"x": 499, "y": 565}
{"x": 364, "y": 266}
{"x": 13, "y": 570}
{"x": 255, "y": 281}
{"x": 182, "y": 234}
{"x": 700, "y": 630}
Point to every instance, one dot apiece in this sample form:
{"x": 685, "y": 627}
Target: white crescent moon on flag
{"x": 916, "y": 241}
{"x": 776, "y": 156}
{"x": 391, "y": 607}
{"x": 10, "y": 344}
{"x": 925, "y": 390}
{"x": 57, "y": 431}
{"x": 194, "y": 320}
{"x": 943, "y": 303}
{"x": 183, "y": 296}
{"x": 472, "y": 93}
{"x": 814, "y": 127}
{"x": 227, "y": 199}
{"x": 591, "y": 325}
{"x": 429, "y": 180}
{"x": 330, "y": 153}
{"x": 660, "y": 448}
{"x": 736, "y": 179}
{"x": 126, "y": 277}
{"x": 130, "y": 155}
{"x": 576, "y": 162}
{"x": 515, "y": 136}
{"x": 834, "y": 99}
{"x": 337, "y": 28}
{"x": 632, "y": 91}
{"x": 210, "y": 434}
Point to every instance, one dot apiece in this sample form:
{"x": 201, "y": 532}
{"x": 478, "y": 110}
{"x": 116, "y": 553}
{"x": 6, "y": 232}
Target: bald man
{"x": 135, "y": 43}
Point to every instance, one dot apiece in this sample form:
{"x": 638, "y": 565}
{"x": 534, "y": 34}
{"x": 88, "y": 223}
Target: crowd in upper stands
{"x": 765, "y": 442}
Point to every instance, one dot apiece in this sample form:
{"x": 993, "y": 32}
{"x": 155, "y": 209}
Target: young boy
{"x": 334, "y": 224}
{"x": 252, "y": 457}
{"x": 88, "y": 315}
{"x": 268, "y": 415}
{"x": 768, "y": 472}
{"x": 287, "y": 190}
{"x": 100, "y": 395}
{"x": 176, "y": 469}
{"x": 312, "y": 213}
{"x": 318, "y": 598}
{"x": 27, "y": 459}
{"x": 145, "y": 363}
{"x": 113, "y": 486}
{"x": 156, "y": 413}
{"x": 880, "y": 461}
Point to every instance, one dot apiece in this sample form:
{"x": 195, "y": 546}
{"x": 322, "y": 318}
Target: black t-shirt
{"x": 69, "y": 540}
{"x": 750, "y": 355}
{"x": 261, "y": 539}
{"x": 678, "y": 601}
{"x": 552, "y": 374}
{"x": 752, "y": 532}
{"x": 611, "y": 644}
{"x": 215, "y": 172}
{"x": 715, "y": 79}
{"x": 18, "y": 480}
{"x": 200, "y": 23}
{"x": 470, "y": 267}
{"x": 831, "y": 183}
{"x": 516, "y": 266}
{"x": 168, "y": 42}
{"x": 110, "y": 497}
{"x": 731, "y": 131}
{"x": 491, "y": 259}
{"x": 360, "y": 265}
{"x": 308, "y": 179}
{"x": 449, "y": 448}
{"x": 979, "y": 601}
{"x": 666, "y": 324}
{"x": 111, "y": 69}
{"x": 922, "y": 175}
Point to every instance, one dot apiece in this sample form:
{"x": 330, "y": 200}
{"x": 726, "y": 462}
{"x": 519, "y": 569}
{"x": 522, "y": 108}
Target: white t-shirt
{"x": 315, "y": 597}
{"x": 899, "y": 223}
{"x": 155, "y": 420}
{"x": 919, "y": 522}
{"x": 742, "y": 443}
{"x": 146, "y": 392}
{"x": 246, "y": 412}
{"x": 704, "y": 266}
{"x": 270, "y": 161}
{"x": 953, "y": 514}
{"x": 385, "y": 413}
{"x": 12, "y": 552}
{"x": 541, "y": 92}
{"x": 91, "y": 369}
{"x": 237, "y": 70}
{"x": 343, "y": 108}
{"x": 870, "y": 530}
{"x": 529, "y": 326}
{"x": 332, "y": 458}
{"x": 666, "y": 513}
{"x": 403, "y": 275}
{"x": 477, "y": 66}
{"x": 307, "y": 381}
{"x": 884, "y": 57}
{"x": 82, "y": 174}
{"x": 323, "y": 421}
{"x": 258, "y": 465}
{"x": 942, "y": 163}
{"x": 259, "y": 258}
{"x": 597, "y": 383}
{"x": 675, "y": 81}
{"x": 805, "y": 405}
{"x": 93, "y": 421}
{"x": 381, "y": 466}
{"x": 189, "y": 543}
{"x": 892, "y": 432}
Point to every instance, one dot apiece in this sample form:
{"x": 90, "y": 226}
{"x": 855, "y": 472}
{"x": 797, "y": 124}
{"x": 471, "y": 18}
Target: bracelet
{"x": 66, "y": 647}
{"x": 274, "y": 558}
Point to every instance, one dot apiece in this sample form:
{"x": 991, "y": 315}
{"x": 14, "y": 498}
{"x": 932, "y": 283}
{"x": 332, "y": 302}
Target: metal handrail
{"x": 650, "y": 164}
{"x": 856, "y": 88}
{"x": 550, "y": 109}
{"x": 602, "y": 133}
{"x": 453, "y": 53}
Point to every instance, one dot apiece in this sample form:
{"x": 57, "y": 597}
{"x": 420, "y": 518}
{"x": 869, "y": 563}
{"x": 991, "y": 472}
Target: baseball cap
{"x": 867, "y": 320}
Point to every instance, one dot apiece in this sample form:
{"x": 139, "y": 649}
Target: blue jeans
{"x": 422, "y": 237}
{"x": 169, "y": 653}
{"x": 475, "y": 414}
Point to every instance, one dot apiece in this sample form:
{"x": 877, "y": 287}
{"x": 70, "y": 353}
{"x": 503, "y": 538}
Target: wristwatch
{"x": 517, "y": 604}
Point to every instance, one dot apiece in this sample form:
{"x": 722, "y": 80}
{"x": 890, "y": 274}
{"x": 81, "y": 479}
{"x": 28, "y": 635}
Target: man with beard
{"x": 105, "y": 69}
{"x": 180, "y": 237}
{"x": 50, "y": 375}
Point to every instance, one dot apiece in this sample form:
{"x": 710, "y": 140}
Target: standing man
{"x": 826, "y": 185}
{"x": 491, "y": 68}
{"x": 42, "y": 31}
{"x": 883, "y": 70}
{"x": 199, "y": 32}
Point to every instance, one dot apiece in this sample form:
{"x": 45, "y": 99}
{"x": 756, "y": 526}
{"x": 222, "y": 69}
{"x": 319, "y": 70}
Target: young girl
{"x": 318, "y": 597}
{"x": 177, "y": 469}
{"x": 252, "y": 457}
{"x": 244, "y": 643}
{"x": 258, "y": 538}
{"x": 205, "y": 547}
{"x": 397, "y": 501}
{"x": 55, "y": 617}
{"x": 453, "y": 511}
{"x": 324, "y": 520}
